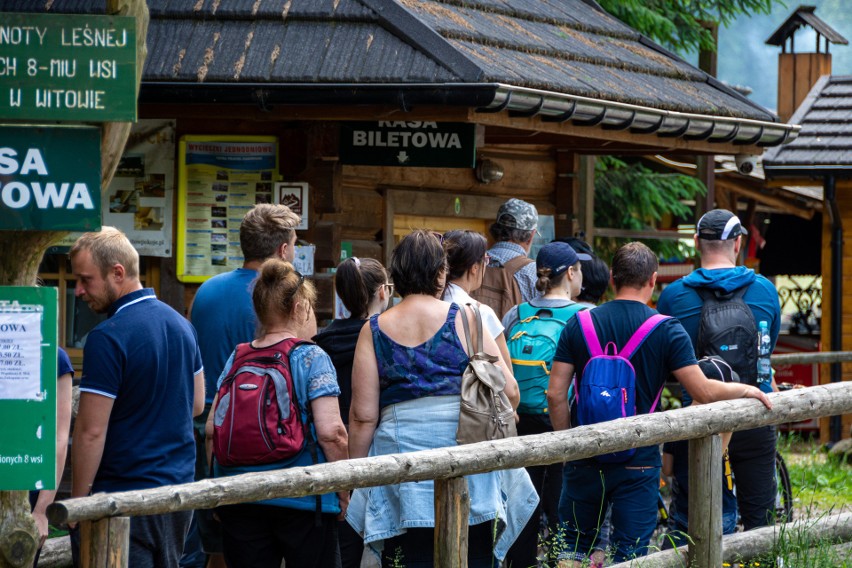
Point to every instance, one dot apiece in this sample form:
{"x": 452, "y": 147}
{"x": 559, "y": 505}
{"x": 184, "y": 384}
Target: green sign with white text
{"x": 68, "y": 67}
{"x": 50, "y": 178}
{"x": 28, "y": 334}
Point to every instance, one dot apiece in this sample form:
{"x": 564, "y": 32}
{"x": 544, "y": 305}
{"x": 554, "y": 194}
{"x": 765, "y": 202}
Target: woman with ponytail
{"x": 362, "y": 285}
{"x": 466, "y": 262}
{"x": 300, "y": 530}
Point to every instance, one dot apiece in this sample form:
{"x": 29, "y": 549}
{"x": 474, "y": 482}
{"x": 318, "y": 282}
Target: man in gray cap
{"x": 510, "y": 277}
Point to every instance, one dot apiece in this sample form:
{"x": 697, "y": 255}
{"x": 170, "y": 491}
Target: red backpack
{"x": 257, "y": 420}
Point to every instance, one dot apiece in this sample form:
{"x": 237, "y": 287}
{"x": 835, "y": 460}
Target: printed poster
{"x": 140, "y": 196}
{"x": 220, "y": 179}
{"x": 20, "y": 355}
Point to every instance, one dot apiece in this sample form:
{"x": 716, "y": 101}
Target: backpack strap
{"x": 466, "y": 326}
{"x": 515, "y": 264}
{"x": 719, "y": 295}
{"x": 479, "y": 342}
{"x": 526, "y": 310}
{"x": 587, "y": 326}
{"x": 641, "y": 335}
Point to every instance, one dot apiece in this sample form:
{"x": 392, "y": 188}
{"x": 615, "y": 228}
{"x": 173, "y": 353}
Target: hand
{"x": 41, "y": 523}
{"x": 754, "y": 392}
{"x": 343, "y": 498}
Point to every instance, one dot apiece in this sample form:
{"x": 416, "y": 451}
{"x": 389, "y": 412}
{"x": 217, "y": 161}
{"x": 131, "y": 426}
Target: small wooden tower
{"x": 798, "y": 72}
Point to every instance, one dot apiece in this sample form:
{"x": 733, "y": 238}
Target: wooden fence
{"x": 104, "y": 517}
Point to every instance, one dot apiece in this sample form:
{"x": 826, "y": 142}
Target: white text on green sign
{"x": 67, "y": 67}
{"x": 50, "y": 178}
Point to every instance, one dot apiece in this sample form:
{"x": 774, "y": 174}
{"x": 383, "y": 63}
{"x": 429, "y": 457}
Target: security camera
{"x": 746, "y": 163}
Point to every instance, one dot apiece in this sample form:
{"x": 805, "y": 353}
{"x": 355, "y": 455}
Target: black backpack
{"x": 727, "y": 329}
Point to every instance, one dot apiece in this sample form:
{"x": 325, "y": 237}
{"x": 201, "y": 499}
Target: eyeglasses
{"x": 389, "y": 287}
{"x": 298, "y": 285}
{"x": 486, "y": 259}
{"x": 438, "y": 236}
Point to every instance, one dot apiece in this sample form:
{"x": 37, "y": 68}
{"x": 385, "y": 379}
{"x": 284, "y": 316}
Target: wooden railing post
{"x": 705, "y": 501}
{"x": 452, "y": 510}
{"x": 105, "y": 543}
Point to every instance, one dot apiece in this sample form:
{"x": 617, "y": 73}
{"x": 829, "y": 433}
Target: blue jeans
{"x": 587, "y": 491}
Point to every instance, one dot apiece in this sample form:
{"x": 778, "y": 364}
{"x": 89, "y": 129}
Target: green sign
{"x": 413, "y": 144}
{"x": 28, "y": 332}
{"x": 50, "y": 178}
{"x": 67, "y": 67}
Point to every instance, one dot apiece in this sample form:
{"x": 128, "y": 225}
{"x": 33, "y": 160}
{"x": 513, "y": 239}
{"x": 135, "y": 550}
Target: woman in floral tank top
{"x": 406, "y": 381}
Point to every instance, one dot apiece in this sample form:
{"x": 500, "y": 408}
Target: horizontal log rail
{"x": 812, "y": 357}
{"x": 444, "y": 463}
{"x": 746, "y": 546}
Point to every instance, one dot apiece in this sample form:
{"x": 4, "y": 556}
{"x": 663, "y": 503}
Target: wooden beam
{"x": 444, "y": 463}
{"x": 452, "y": 509}
{"x": 705, "y": 501}
{"x": 567, "y": 194}
{"x": 785, "y": 205}
{"x": 105, "y": 543}
{"x": 586, "y": 197}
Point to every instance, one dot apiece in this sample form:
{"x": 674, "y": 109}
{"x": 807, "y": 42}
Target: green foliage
{"x": 677, "y": 24}
{"x": 632, "y": 196}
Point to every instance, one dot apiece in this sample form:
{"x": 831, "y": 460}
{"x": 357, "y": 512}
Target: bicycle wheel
{"x": 784, "y": 496}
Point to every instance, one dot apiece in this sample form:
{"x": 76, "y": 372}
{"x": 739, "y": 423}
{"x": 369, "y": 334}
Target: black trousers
{"x": 752, "y": 454}
{"x": 547, "y": 480}
{"x": 416, "y": 548}
{"x": 260, "y": 536}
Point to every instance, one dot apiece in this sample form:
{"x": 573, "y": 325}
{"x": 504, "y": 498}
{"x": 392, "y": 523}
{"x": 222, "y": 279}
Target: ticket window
{"x": 76, "y": 320}
{"x": 405, "y": 224}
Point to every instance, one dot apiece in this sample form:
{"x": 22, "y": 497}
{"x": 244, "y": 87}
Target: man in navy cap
{"x": 718, "y": 239}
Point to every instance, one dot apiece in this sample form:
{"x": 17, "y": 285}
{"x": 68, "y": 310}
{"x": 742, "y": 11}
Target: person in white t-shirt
{"x": 466, "y": 262}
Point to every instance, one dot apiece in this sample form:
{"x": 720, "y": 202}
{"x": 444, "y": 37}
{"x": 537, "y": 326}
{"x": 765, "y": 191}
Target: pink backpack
{"x": 257, "y": 419}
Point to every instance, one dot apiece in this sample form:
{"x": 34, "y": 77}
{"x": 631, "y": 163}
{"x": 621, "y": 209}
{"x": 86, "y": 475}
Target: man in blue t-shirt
{"x": 142, "y": 383}
{"x": 589, "y": 486}
{"x": 752, "y": 452}
{"x": 223, "y": 316}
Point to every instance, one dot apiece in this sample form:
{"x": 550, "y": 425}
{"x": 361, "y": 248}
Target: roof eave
{"x": 485, "y": 97}
{"x": 807, "y": 170}
{"x": 556, "y": 107}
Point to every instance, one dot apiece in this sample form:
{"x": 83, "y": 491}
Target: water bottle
{"x": 764, "y": 367}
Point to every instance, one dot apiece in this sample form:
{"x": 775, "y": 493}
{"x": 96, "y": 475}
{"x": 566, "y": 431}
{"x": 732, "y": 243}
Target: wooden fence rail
{"x": 697, "y": 421}
{"x": 812, "y": 357}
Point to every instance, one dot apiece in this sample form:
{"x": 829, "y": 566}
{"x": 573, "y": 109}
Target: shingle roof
{"x": 825, "y": 141}
{"x": 560, "y": 48}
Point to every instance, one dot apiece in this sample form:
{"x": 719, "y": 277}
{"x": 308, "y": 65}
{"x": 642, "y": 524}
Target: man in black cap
{"x": 701, "y": 301}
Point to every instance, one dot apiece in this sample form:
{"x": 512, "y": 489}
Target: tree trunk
{"x": 22, "y": 252}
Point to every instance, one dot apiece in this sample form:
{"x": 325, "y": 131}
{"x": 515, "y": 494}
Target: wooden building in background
{"x": 542, "y": 84}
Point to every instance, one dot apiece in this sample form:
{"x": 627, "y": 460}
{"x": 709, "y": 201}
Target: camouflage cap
{"x": 517, "y": 214}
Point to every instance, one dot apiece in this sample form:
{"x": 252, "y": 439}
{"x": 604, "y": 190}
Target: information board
{"x": 67, "y": 67}
{"x": 219, "y": 179}
{"x": 28, "y": 335}
{"x": 50, "y": 178}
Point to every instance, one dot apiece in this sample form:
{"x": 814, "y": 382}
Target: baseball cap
{"x": 517, "y": 214}
{"x": 558, "y": 256}
{"x": 717, "y": 368}
{"x": 719, "y": 225}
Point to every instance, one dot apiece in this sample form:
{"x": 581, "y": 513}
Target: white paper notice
{"x": 20, "y": 355}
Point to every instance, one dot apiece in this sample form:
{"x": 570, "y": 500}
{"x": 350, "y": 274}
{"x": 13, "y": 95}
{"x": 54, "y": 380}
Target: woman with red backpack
{"x": 292, "y": 386}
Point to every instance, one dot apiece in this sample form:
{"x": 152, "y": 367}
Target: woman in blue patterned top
{"x": 405, "y": 397}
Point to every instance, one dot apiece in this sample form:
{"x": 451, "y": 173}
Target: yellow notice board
{"x": 219, "y": 179}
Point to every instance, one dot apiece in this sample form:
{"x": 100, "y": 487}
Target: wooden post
{"x": 452, "y": 509}
{"x": 705, "y": 501}
{"x": 105, "y": 543}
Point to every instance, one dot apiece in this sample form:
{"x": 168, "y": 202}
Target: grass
{"x": 820, "y": 484}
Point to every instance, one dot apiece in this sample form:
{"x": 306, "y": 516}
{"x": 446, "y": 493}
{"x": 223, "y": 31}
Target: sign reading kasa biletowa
{"x": 408, "y": 143}
{"x": 50, "y": 178}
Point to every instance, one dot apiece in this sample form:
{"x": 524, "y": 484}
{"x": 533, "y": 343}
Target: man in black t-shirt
{"x": 630, "y": 486}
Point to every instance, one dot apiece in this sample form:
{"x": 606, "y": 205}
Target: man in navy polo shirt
{"x": 142, "y": 383}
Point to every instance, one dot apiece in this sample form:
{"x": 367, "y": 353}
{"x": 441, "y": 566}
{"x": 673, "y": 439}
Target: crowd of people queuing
{"x": 159, "y": 392}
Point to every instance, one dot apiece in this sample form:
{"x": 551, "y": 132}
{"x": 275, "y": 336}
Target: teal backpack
{"x": 532, "y": 345}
